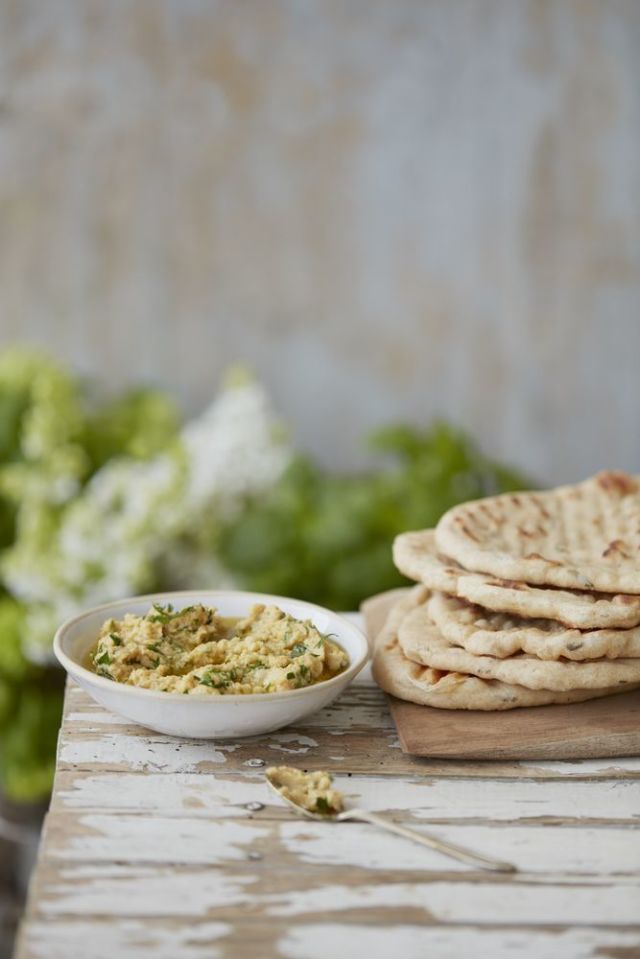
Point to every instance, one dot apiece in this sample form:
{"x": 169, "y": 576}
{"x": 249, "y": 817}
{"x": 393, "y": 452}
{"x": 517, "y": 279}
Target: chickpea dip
{"x": 196, "y": 651}
{"x": 311, "y": 790}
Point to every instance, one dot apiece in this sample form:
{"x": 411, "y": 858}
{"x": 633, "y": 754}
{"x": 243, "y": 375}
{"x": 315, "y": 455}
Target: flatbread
{"x": 420, "y": 684}
{"x": 416, "y": 555}
{"x": 483, "y": 632}
{"x": 576, "y": 537}
{"x": 422, "y": 642}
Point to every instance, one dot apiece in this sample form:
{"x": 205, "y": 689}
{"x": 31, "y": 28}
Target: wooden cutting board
{"x": 595, "y": 729}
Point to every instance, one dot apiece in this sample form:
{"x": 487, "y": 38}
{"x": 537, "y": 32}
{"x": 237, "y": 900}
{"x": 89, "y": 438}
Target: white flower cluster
{"x": 135, "y": 518}
{"x": 235, "y": 448}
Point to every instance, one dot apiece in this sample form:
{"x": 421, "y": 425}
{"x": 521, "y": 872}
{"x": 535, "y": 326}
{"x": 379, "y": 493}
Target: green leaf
{"x": 165, "y": 614}
{"x": 322, "y": 806}
{"x": 217, "y": 678}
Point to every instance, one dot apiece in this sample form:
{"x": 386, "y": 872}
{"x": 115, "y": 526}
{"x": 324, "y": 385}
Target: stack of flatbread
{"x": 524, "y": 599}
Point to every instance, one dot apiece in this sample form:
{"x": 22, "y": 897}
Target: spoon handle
{"x": 456, "y": 852}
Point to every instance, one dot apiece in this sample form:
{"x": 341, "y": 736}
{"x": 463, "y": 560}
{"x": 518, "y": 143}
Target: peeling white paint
{"x": 136, "y": 752}
{"x": 532, "y": 849}
{"x": 90, "y": 718}
{"x": 481, "y": 903}
{"x": 172, "y": 795}
{"x": 117, "y": 939}
{"x": 319, "y": 940}
{"x": 135, "y": 891}
{"x": 304, "y": 743}
{"x": 138, "y": 839}
{"x": 586, "y": 767}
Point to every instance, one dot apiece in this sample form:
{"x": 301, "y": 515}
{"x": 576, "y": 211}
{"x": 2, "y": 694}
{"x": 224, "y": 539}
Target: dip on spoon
{"x": 311, "y": 794}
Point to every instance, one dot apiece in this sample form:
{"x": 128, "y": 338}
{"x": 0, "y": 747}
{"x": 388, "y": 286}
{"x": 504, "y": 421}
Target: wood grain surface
{"x": 598, "y": 728}
{"x": 157, "y": 847}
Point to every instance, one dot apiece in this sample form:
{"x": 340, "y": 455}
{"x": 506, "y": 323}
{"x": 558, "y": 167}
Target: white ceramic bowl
{"x": 207, "y": 717}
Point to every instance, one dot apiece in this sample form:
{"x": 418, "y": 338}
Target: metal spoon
{"x": 363, "y": 815}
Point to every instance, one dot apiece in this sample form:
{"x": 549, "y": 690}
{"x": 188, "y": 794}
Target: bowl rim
{"x": 74, "y": 668}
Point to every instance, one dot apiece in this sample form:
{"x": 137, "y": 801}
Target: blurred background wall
{"x": 388, "y": 209}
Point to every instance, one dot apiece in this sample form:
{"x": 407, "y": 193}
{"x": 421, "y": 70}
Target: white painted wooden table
{"x": 157, "y": 847}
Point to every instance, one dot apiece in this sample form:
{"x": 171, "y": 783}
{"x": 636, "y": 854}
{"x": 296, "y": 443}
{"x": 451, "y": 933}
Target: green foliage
{"x": 13, "y": 405}
{"x": 139, "y": 424}
{"x": 30, "y": 707}
{"x": 13, "y": 663}
{"x": 53, "y": 437}
{"x": 29, "y": 734}
{"x": 328, "y": 538}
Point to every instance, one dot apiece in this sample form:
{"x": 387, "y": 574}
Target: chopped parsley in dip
{"x": 198, "y": 652}
{"x": 310, "y": 790}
